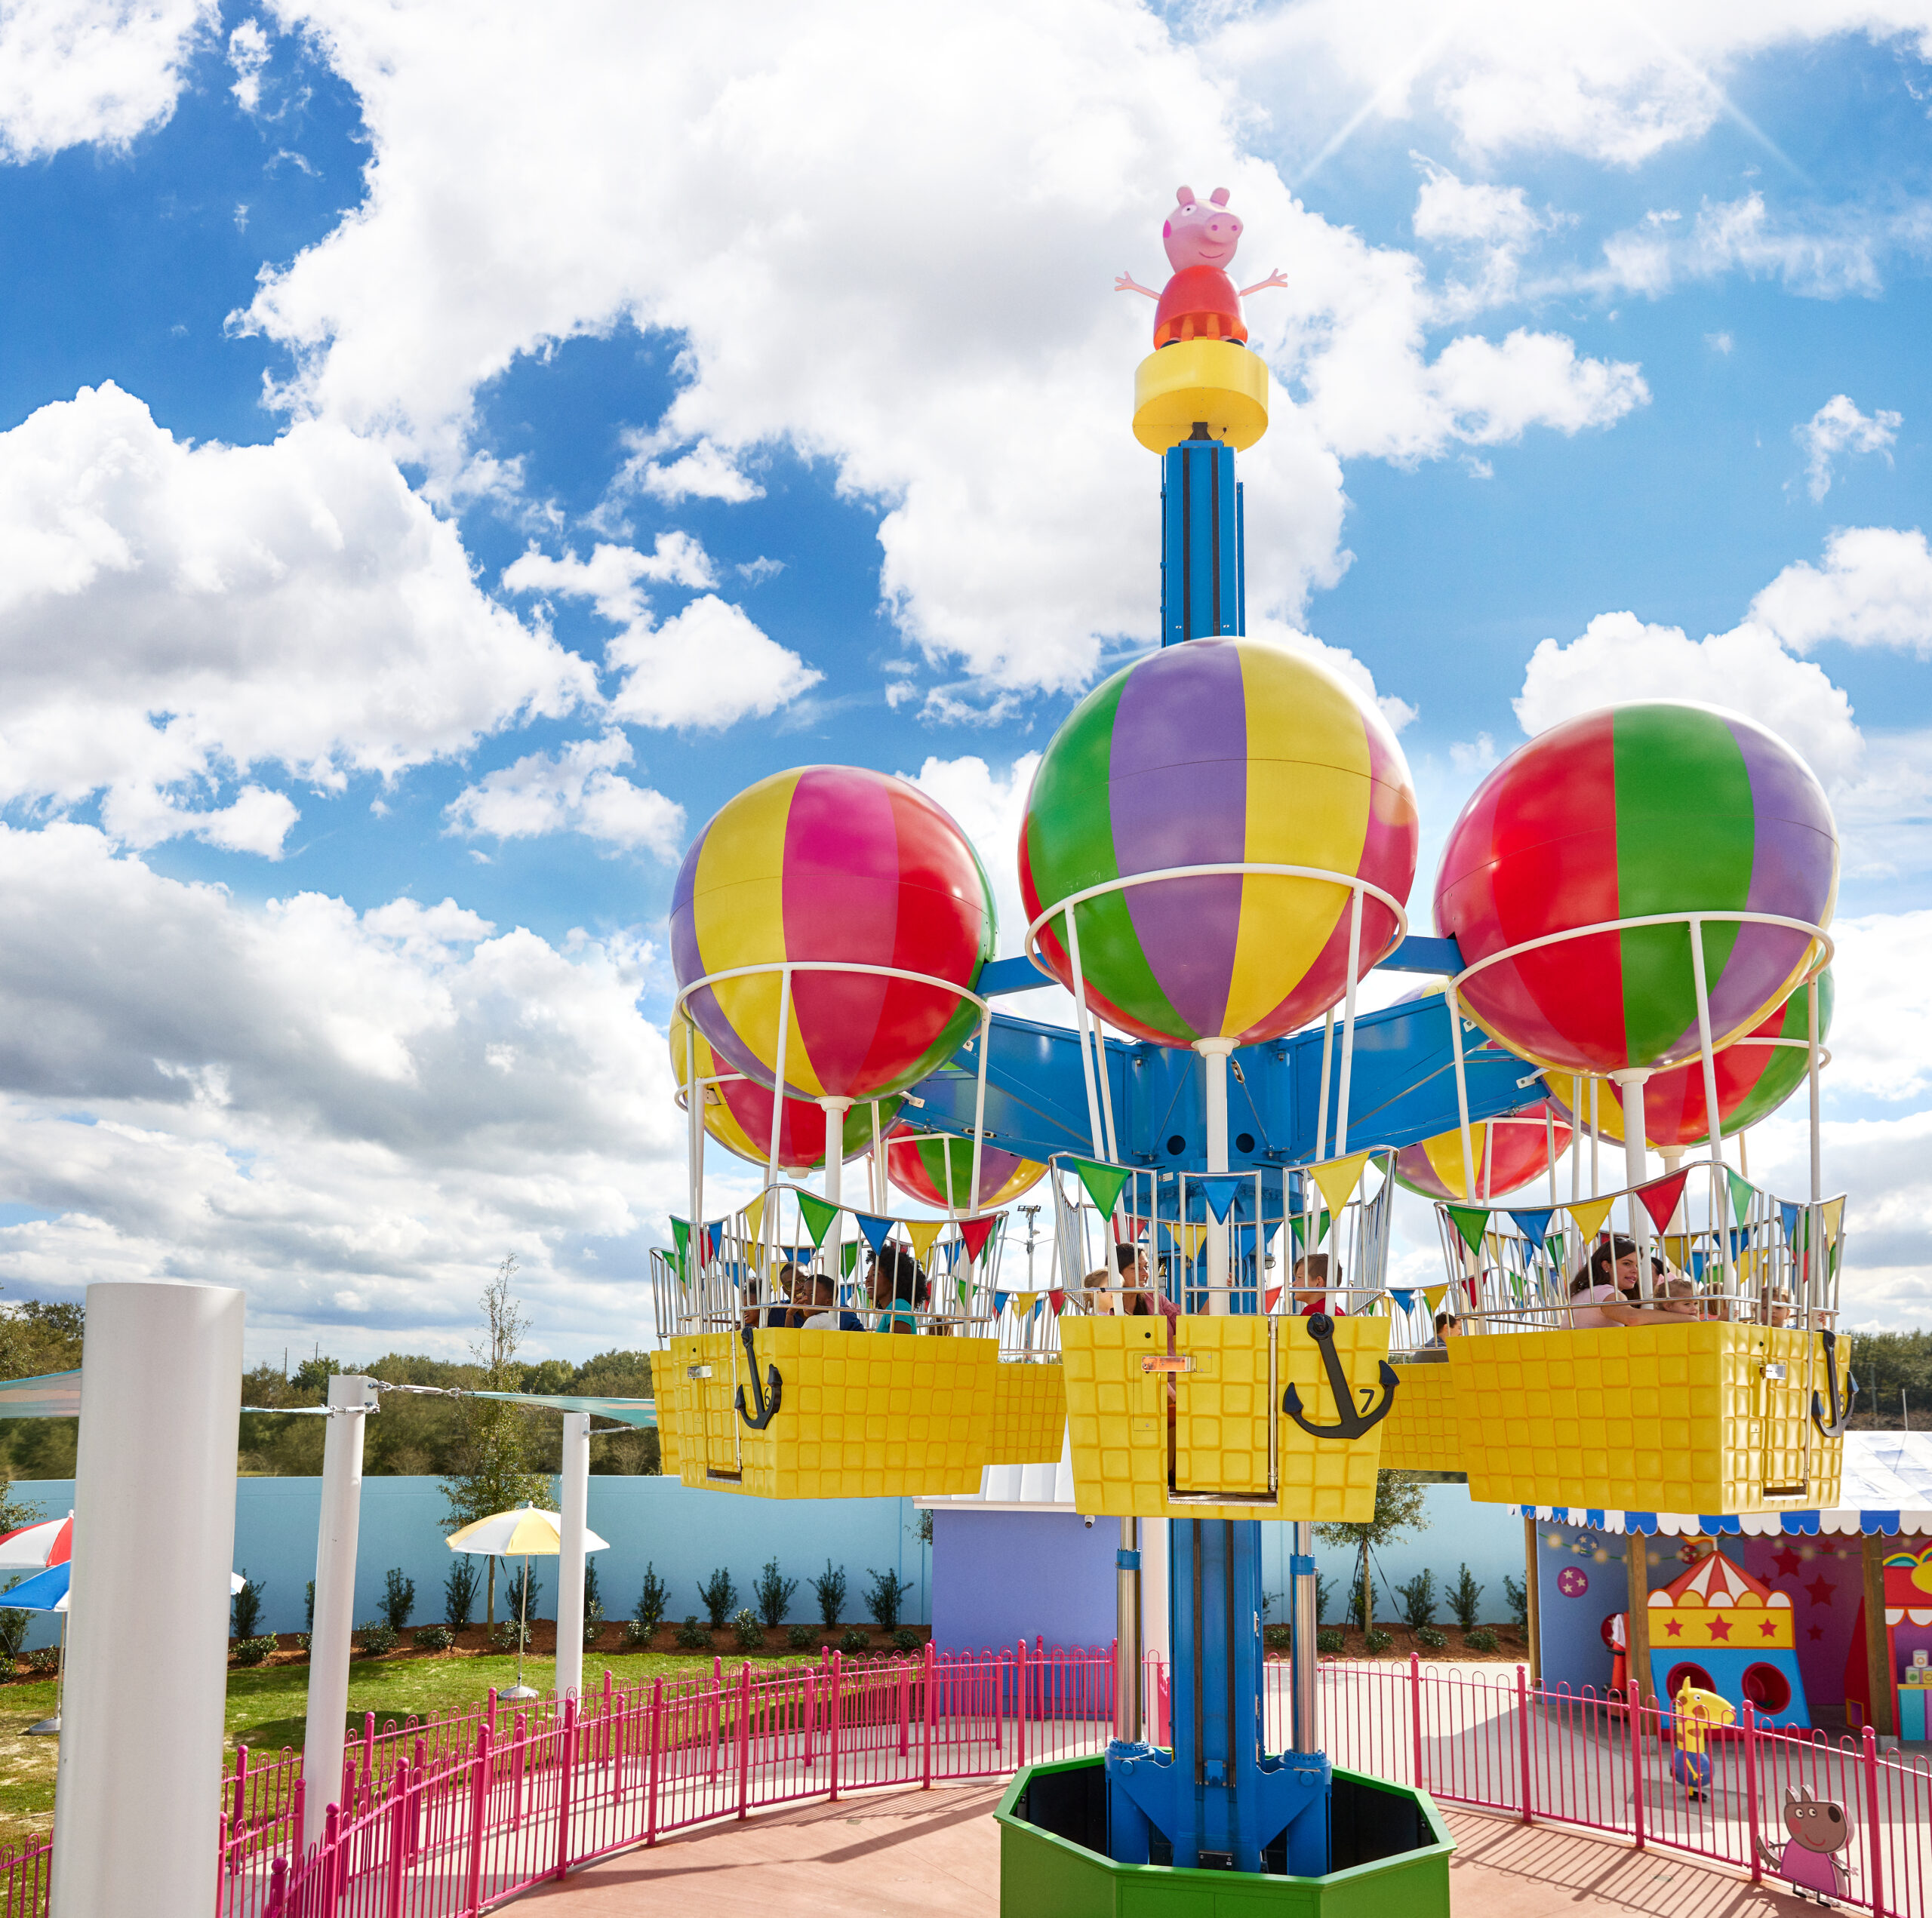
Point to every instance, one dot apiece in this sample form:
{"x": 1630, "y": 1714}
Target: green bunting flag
{"x": 818, "y": 1214}
{"x": 848, "y": 1256}
{"x": 1103, "y": 1183}
{"x": 681, "y": 1237}
{"x": 1297, "y": 1220}
{"x": 1471, "y": 1221}
{"x": 1742, "y": 1193}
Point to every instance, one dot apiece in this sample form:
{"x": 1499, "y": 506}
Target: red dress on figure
{"x": 1199, "y": 302}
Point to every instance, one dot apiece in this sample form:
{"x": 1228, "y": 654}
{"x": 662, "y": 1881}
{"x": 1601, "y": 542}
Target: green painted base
{"x": 1392, "y": 1853}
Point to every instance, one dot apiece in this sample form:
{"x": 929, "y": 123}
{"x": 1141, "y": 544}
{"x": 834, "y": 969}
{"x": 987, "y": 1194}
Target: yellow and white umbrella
{"x": 526, "y": 1533}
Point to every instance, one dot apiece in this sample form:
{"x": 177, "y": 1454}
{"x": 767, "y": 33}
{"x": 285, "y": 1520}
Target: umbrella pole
{"x": 522, "y": 1618}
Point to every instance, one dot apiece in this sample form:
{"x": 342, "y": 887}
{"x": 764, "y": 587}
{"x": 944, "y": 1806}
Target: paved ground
{"x": 937, "y": 1853}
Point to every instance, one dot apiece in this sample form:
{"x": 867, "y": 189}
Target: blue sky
{"x": 640, "y": 409}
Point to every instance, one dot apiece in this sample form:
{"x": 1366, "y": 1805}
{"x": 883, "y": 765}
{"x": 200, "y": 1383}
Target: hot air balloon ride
{"x": 1632, "y": 893}
{"x": 1507, "y": 1153}
{"x": 936, "y": 1169}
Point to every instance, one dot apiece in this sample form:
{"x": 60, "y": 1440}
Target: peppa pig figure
{"x": 1200, "y": 302}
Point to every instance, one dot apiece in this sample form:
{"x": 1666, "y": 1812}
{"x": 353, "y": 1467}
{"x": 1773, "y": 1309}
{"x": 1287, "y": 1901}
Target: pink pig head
{"x": 1201, "y": 232}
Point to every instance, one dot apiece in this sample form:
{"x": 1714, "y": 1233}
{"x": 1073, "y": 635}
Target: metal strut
{"x": 1350, "y": 1424}
{"x": 766, "y": 1398}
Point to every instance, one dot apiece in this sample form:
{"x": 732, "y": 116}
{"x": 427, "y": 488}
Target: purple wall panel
{"x": 999, "y": 1576}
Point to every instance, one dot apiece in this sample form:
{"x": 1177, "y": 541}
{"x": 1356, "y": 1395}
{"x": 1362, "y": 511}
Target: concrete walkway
{"x": 937, "y": 1853}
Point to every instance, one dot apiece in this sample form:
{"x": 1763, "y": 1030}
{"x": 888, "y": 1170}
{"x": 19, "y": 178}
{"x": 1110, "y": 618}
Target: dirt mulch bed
{"x": 1511, "y": 1645}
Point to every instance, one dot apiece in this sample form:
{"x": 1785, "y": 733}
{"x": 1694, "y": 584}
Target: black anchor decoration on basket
{"x": 1834, "y": 1426}
{"x": 1349, "y": 1424}
{"x": 764, "y": 1398}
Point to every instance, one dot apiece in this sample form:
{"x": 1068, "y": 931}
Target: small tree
{"x": 460, "y": 1591}
{"x": 828, "y": 1588}
{"x": 519, "y": 1603}
{"x": 1465, "y": 1596}
{"x": 773, "y": 1593}
{"x": 247, "y": 1606}
{"x": 593, "y": 1599}
{"x": 1418, "y": 1597}
{"x": 652, "y": 1601}
{"x": 884, "y": 1596}
{"x": 492, "y": 1451}
{"x": 1516, "y": 1596}
{"x": 399, "y": 1598}
{"x": 1325, "y": 1590}
{"x": 310, "y": 1616}
{"x": 719, "y": 1596}
{"x": 1398, "y": 1508}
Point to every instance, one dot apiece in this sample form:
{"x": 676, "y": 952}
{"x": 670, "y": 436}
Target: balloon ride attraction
{"x": 1632, "y": 931}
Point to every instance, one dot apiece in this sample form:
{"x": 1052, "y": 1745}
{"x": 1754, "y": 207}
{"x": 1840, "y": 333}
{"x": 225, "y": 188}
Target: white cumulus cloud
{"x": 578, "y": 789}
{"x": 87, "y": 72}
{"x": 1874, "y": 588}
{"x": 173, "y": 616}
{"x": 1837, "y": 427}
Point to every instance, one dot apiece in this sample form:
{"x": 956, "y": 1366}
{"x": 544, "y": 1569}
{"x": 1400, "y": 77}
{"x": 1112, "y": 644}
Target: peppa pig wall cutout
{"x": 1199, "y": 302}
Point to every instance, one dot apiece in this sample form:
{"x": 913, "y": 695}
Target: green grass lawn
{"x": 266, "y": 1707}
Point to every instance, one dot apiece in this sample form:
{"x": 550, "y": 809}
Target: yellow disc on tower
{"x": 1213, "y": 383}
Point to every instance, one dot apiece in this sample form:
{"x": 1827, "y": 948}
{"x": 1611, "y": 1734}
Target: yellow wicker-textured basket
{"x": 860, "y": 1414}
{"x": 1228, "y": 1428}
{"x": 1029, "y": 1415}
{"x": 1422, "y": 1434}
{"x": 1700, "y": 1418}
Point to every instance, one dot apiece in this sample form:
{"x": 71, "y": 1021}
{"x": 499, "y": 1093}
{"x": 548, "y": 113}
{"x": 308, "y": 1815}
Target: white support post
{"x": 835, "y": 1110}
{"x": 1214, "y": 1056}
{"x": 1080, "y": 1024}
{"x": 1630, "y": 1085}
{"x": 573, "y": 1521}
{"x": 1453, "y": 1000}
{"x": 1348, "y": 1029}
{"x": 137, "y": 1795}
{"x": 351, "y": 1399}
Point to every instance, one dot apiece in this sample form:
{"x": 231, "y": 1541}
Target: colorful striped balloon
{"x": 920, "y": 1163}
{"x": 1507, "y": 1153}
{"x": 1217, "y": 751}
{"x": 838, "y": 864}
{"x": 738, "y": 1110}
{"x": 1755, "y": 1077}
{"x": 1662, "y": 808}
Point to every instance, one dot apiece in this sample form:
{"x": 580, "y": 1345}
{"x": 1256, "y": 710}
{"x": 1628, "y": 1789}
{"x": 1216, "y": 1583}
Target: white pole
{"x": 351, "y": 1399}
{"x": 1080, "y": 1024}
{"x": 1596, "y": 1142}
{"x": 1321, "y": 1103}
{"x": 835, "y": 1110}
{"x": 573, "y": 1522}
{"x": 878, "y": 1162}
{"x": 1214, "y": 1053}
{"x": 1575, "y": 1137}
{"x": 137, "y": 1796}
{"x": 1348, "y": 1030}
{"x": 1630, "y": 1085}
{"x": 1815, "y": 1293}
{"x": 1454, "y": 1000}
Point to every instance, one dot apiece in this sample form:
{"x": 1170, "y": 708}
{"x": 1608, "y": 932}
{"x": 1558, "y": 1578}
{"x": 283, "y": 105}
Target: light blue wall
{"x": 999, "y": 1576}
{"x": 686, "y": 1534}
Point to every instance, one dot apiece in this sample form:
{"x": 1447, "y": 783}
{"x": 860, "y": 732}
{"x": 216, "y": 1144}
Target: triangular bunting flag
{"x": 1470, "y": 1221}
{"x": 1056, "y": 1300}
{"x": 1834, "y": 1213}
{"x": 1297, "y": 1221}
{"x": 848, "y": 1257}
{"x": 1534, "y": 1222}
{"x": 1697, "y": 1261}
{"x": 1218, "y": 1189}
{"x": 923, "y": 1233}
{"x": 1788, "y": 1211}
{"x": 1406, "y": 1300}
{"x": 1589, "y": 1214}
{"x": 1337, "y": 1181}
{"x": 974, "y": 1233}
{"x": 1023, "y": 1302}
{"x": 1434, "y": 1294}
{"x": 755, "y": 1220}
{"x": 999, "y": 1302}
{"x": 1552, "y": 1243}
{"x": 818, "y": 1214}
{"x": 1742, "y": 1193}
{"x": 876, "y": 1231}
{"x": 1677, "y": 1250}
{"x": 1661, "y": 1195}
{"x": 714, "y": 1238}
{"x": 681, "y": 1237}
{"x": 1103, "y": 1182}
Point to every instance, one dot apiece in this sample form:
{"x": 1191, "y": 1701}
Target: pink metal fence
{"x": 442, "y": 1820}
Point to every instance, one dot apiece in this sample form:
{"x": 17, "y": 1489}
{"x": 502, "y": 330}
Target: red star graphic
{"x": 1674, "y": 1629}
{"x": 1720, "y": 1629}
{"x": 1816, "y": 1631}
{"x": 1769, "y": 1629}
{"x": 1787, "y": 1562}
{"x": 1820, "y": 1590}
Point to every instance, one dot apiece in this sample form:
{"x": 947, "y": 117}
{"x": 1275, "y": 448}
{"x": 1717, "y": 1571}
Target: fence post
{"x": 241, "y": 1789}
{"x": 1415, "y": 1723}
{"x": 296, "y": 1798}
{"x": 278, "y": 1887}
{"x": 1751, "y": 1788}
{"x": 1523, "y": 1742}
{"x": 744, "y": 1737}
{"x": 568, "y": 1747}
{"x": 479, "y": 1804}
{"x": 331, "y": 1860}
{"x": 838, "y": 1689}
{"x": 657, "y": 1737}
{"x": 1633, "y": 1712}
{"x": 1874, "y": 1862}
{"x": 398, "y": 1836}
{"x": 926, "y": 1734}
{"x": 1020, "y": 1703}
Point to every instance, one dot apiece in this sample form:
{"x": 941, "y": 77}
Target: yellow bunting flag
{"x": 1834, "y": 1212}
{"x": 923, "y": 1232}
{"x": 1589, "y": 1214}
{"x": 754, "y": 1221}
{"x": 1023, "y": 1302}
{"x": 1434, "y": 1294}
{"x": 1337, "y": 1181}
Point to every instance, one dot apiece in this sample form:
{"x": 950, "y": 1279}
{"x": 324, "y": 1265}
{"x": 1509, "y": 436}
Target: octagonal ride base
{"x": 1390, "y": 1852}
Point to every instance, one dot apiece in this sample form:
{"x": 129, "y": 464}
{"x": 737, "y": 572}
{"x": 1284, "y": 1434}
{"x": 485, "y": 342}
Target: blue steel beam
{"x": 1403, "y": 1090}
